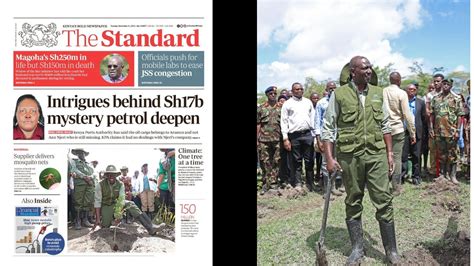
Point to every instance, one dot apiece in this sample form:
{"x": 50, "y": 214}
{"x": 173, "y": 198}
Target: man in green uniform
{"x": 445, "y": 125}
{"x": 110, "y": 203}
{"x": 268, "y": 138}
{"x": 166, "y": 179}
{"x": 82, "y": 173}
{"x": 364, "y": 153}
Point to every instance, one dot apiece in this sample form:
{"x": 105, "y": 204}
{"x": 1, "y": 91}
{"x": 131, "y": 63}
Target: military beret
{"x": 271, "y": 88}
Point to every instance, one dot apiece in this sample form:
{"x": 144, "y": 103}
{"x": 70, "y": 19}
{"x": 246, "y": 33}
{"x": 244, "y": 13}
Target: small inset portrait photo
{"x": 28, "y": 121}
{"x": 50, "y": 178}
{"x": 114, "y": 68}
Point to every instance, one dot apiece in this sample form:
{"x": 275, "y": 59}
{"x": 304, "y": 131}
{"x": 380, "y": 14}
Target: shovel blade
{"x": 321, "y": 259}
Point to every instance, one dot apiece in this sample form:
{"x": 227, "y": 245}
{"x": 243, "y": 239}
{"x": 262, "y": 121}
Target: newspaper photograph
{"x": 363, "y": 132}
{"x": 111, "y": 141}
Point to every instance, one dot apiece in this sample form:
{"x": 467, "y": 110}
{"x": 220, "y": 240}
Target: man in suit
{"x": 417, "y": 108}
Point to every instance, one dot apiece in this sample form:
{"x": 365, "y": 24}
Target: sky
{"x": 315, "y": 38}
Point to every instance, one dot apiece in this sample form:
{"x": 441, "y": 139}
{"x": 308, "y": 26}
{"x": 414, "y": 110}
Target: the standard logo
{"x": 39, "y": 35}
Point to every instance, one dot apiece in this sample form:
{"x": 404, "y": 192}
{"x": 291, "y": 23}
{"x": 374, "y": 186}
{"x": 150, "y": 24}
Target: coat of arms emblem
{"x": 39, "y": 35}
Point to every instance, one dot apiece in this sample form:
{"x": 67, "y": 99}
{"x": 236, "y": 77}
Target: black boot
{"x": 77, "y": 225}
{"x": 387, "y": 230}
{"x": 146, "y": 222}
{"x": 91, "y": 217}
{"x": 442, "y": 170}
{"x": 334, "y": 191}
{"x": 85, "y": 221}
{"x": 355, "y": 233}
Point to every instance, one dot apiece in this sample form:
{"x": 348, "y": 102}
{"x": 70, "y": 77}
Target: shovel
{"x": 320, "y": 251}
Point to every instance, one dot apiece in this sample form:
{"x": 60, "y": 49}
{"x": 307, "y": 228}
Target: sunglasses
{"x": 114, "y": 66}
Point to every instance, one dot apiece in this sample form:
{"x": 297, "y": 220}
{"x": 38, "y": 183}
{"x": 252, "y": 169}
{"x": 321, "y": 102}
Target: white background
{"x": 188, "y": 251}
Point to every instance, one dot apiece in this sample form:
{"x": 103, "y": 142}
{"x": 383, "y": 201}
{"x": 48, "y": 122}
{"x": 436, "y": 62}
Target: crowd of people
{"x": 108, "y": 197}
{"x": 366, "y": 133}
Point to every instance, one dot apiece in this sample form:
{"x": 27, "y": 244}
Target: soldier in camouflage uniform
{"x": 84, "y": 186}
{"x": 445, "y": 123}
{"x": 433, "y": 148}
{"x": 268, "y": 138}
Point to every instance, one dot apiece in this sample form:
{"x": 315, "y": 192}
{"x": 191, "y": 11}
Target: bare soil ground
{"x": 268, "y": 211}
{"x": 452, "y": 250}
{"x": 287, "y": 192}
{"x": 454, "y": 247}
{"x": 131, "y": 238}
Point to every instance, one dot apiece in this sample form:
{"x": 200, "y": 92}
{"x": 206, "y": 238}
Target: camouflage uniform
{"x": 127, "y": 182}
{"x": 269, "y": 136}
{"x": 446, "y": 109}
{"x": 432, "y": 147}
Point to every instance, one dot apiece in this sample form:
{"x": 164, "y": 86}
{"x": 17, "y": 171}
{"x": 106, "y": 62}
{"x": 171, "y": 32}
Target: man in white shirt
{"x": 147, "y": 185}
{"x": 297, "y": 128}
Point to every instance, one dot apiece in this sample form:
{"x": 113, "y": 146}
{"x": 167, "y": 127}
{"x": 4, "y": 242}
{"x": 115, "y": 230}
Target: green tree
{"x": 261, "y": 98}
{"x": 311, "y": 85}
{"x": 438, "y": 70}
{"x": 383, "y": 74}
{"x": 418, "y": 75}
{"x": 460, "y": 79}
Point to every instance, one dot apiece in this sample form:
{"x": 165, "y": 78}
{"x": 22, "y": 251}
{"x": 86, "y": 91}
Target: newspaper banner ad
{"x": 111, "y": 136}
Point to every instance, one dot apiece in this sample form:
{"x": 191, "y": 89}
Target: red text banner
{"x": 65, "y": 68}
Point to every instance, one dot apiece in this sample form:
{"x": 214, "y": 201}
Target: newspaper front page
{"x": 111, "y": 140}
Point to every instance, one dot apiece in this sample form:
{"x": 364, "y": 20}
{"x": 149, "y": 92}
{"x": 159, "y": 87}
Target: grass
{"x": 163, "y": 215}
{"x": 288, "y": 229}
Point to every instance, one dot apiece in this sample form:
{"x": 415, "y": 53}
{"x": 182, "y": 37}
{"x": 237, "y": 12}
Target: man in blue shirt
{"x": 417, "y": 108}
{"x": 320, "y": 109}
